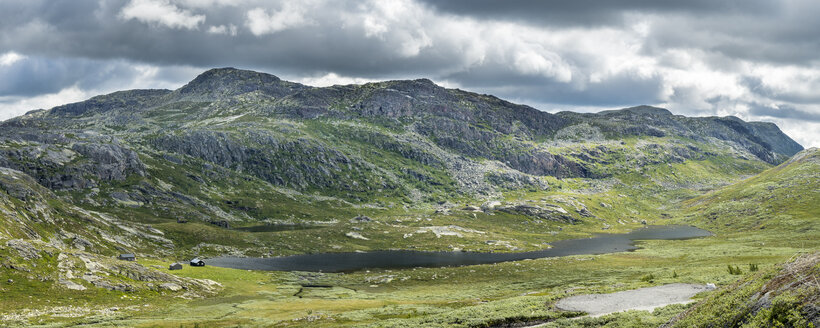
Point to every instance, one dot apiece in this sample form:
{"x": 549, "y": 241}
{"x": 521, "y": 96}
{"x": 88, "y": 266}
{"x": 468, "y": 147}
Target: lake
{"x": 275, "y": 227}
{"x": 395, "y": 259}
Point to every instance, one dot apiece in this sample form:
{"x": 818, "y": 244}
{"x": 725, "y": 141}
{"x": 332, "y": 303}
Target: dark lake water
{"x": 393, "y": 259}
{"x": 275, "y": 227}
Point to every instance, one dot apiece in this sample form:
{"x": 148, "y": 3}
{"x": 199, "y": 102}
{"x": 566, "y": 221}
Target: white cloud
{"x": 544, "y": 63}
{"x": 330, "y": 79}
{"x": 402, "y": 23}
{"x": 15, "y": 106}
{"x": 229, "y": 29}
{"x": 161, "y": 12}
{"x": 9, "y": 58}
{"x": 210, "y": 3}
{"x": 291, "y": 15}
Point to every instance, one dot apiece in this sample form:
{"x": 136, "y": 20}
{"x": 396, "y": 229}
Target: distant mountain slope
{"x": 764, "y": 140}
{"x": 784, "y": 197}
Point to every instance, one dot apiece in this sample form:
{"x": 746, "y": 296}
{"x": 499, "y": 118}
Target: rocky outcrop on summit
{"x": 125, "y": 100}
{"x": 222, "y": 83}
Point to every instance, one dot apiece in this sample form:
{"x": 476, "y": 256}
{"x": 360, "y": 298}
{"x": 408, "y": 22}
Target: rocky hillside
{"x": 235, "y": 147}
{"x": 377, "y": 138}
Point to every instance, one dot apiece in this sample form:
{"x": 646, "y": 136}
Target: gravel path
{"x": 636, "y": 299}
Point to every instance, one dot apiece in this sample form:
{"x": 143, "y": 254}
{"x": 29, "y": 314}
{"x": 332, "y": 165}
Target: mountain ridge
{"x": 207, "y": 86}
{"x": 243, "y": 120}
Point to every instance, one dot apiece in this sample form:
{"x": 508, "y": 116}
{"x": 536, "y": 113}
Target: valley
{"x": 243, "y": 164}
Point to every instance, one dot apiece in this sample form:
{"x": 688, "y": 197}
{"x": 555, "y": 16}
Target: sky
{"x": 754, "y": 59}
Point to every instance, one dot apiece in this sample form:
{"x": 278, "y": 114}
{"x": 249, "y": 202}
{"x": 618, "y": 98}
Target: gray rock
{"x": 24, "y": 248}
{"x": 171, "y": 286}
{"x": 361, "y": 218}
{"x": 546, "y": 213}
{"x": 71, "y": 285}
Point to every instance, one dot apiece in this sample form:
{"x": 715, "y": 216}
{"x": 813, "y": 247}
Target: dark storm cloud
{"x": 757, "y": 30}
{"x": 783, "y": 35}
{"x": 590, "y": 12}
{"x": 784, "y": 111}
{"x": 84, "y": 29}
{"x": 41, "y": 75}
{"x": 622, "y": 89}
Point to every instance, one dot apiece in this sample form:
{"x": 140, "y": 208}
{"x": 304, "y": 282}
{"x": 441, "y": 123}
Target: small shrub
{"x": 648, "y": 278}
{"x": 674, "y": 274}
{"x": 734, "y": 270}
{"x": 752, "y": 267}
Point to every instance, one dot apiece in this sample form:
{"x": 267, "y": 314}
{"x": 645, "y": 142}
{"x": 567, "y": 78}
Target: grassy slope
{"x": 487, "y": 294}
{"x": 492, "y": 293}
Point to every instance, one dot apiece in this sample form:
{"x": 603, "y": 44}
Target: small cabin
{"x": 127, "y": 257}
{"x": 175, "y": 266}
{"x": 197, "y": 262}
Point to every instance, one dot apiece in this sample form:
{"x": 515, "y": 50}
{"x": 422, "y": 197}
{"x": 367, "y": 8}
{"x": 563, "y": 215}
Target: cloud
{"x": 543, "y": 63}
{"x": 330, "y": 79}
{"x": 783, "y": 111}
{"x": 9, "y": 58}
{"x": 14, "y": 106}
{"x": 161, "y": 12}
{"x": 41, "y": 82}
{"x": 230, "y": 29}
{"x": 290, "y": 15}
{"x": 588, "y": 13}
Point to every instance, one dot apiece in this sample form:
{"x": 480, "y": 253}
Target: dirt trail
{"x": 638, "y": 299}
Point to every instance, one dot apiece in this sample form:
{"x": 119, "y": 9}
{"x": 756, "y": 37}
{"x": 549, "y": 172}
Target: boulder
{"x": 548, "y": 213}
{"x": 489, "y": 206}
{"x": 471, "y": 208}
{"x": 361, "y": 218}
{"x": 171, "y": 286}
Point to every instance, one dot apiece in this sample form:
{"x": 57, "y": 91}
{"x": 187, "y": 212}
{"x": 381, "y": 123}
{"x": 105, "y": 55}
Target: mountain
{"x": 243, "y": 163}
{"x": 256, "y": 123}
{"x": 247, "y": 147}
